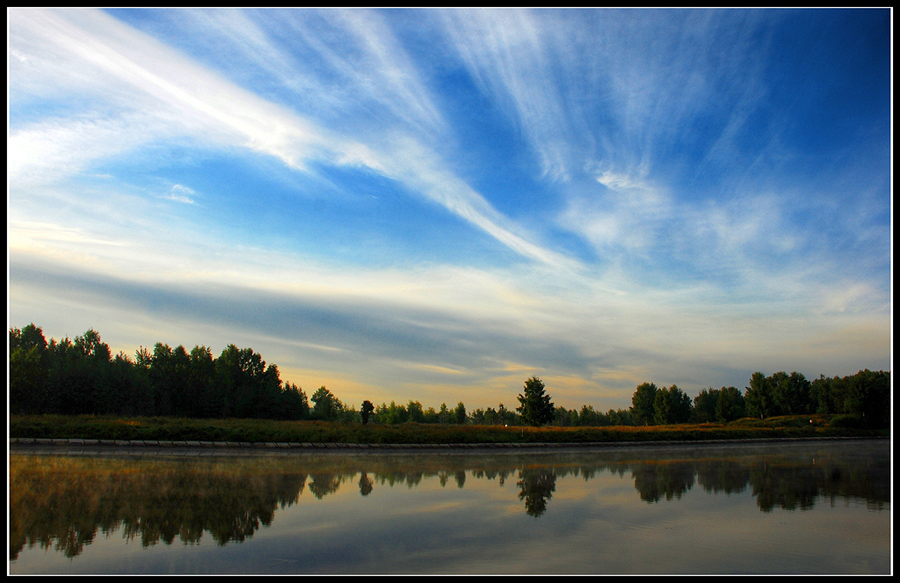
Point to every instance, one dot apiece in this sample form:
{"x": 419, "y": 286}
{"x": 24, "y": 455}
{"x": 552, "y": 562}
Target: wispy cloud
{"x": 213, "y": 109}
{"x": 180, "y": 193}
{"x": 509, "y": 56}
{"x": 597, "y": 197}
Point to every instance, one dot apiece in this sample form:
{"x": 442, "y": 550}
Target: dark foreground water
{"x": 794, "y": 507}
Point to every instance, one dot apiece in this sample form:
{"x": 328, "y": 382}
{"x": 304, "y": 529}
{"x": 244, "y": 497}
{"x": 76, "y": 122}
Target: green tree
{"x": 77, "y": 379}
{"x": 365, "y": 411}
{"x": 506, "y": 417}
{"x": 704, "y": 409}
{"x": 459, "y": 414}
{"x": 431, "y": 416}
{"x": 791, "y": 393}
{"x": 392, "y": 414}
{"x": 621, "y": 416}
{"x": 414, "y": 412}
{"x": 869, "y": 397}
{"x": 671, "y": 406}
{"x": 296, "y": 404}
{"x": 821, "y": 395}
{"x": 758, "y": 396}
{"x": 730, "y": 405}
{"x": 325, "y": 405}
{"x": 129, "y": 391}
{"x": 237, "y": 375}
{"x": 28, "y": 362}
{"x": 535, "y": 406}
{"x": 245, "y": 386}
{"x": 26, "y": 381}
{"x": 642, "y": 404}
{"x": 200, "y": 386}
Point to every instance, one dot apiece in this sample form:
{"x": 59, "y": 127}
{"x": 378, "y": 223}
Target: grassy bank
{"x": 258, "y": 430}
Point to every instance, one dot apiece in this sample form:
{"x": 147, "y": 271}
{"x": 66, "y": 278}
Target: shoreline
{"x": 90, "y": 447}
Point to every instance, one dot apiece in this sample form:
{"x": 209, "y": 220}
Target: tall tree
{"x": 459, "y": 413}
{"x": 758, "y": 396}
{"x": 869, "y": 397}
{"x": 792, "y": 393}
{"x": 730, "y": 405}
{"x": 704, "y": 409}
{"x": 820, "y": 394}
{"x": 325, "y": 405}
{"x": 28, "y": 360}
{"x": 296, "y": 405}
{"x": 365, "y": 411}
{"x": 534, "y": 404}
{"x": 670, "y": 406}
{"x": 642, "y": 404}
{"x": 415, "y": 412}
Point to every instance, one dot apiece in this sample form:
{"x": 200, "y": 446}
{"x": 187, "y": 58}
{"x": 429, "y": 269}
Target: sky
{"x": 436, "y": 205}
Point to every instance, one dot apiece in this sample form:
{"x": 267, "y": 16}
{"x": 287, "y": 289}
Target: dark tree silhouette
{"x": 534, "y": 405}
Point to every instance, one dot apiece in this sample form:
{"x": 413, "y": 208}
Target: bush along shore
{"x": 237, "y": 432}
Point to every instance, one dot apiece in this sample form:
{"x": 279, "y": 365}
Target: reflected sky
{"x": 815, "y": 508}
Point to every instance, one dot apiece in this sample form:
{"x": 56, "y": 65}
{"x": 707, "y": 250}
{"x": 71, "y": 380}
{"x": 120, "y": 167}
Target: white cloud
{"x": 681, "y": 283}
{"x": 511, "y": 58}
{"x": 180, "y": 193}
{"x": 209, "y": 106}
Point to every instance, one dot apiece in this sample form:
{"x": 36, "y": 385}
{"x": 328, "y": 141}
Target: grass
{"x": 260, "y": 430}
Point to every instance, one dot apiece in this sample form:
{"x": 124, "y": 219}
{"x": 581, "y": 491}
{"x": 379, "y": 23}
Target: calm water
{"x": 798, "y": 507}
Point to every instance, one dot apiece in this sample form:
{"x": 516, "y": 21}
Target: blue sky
{"x": 439, "y": 204}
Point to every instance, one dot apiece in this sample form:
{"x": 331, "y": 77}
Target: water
{"x": 794, "y": 507}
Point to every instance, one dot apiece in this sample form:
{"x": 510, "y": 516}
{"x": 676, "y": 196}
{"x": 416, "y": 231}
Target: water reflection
{"x": 536, "y": 486}
{"x": 63, "y": 502}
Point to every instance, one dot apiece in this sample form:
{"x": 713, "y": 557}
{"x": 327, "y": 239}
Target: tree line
{"x": 81, "y": 376}
{"x": 865, "y": 397}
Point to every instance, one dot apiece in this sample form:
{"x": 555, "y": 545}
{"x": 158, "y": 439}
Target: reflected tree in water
{"x": 786, "y": 487}
{"x": 671, "y": 480}
{"x": 321, "y": 485}
{"x": 536, "y": 487}
{"x": 365, "y": 484}
{"x": 62, "y": 502}
{"x": 727, "y": 477}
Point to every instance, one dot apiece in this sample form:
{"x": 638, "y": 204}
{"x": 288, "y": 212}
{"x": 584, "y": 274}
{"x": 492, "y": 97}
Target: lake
{"x": 811, "y": 507}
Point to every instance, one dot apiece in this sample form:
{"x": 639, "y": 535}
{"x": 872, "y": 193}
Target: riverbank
{"x": 152, "y": 448}
{"x": 79, "y": 431}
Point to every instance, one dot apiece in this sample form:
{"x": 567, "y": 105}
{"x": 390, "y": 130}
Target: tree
{"x": 26, "y": 380}
{"x": 201, "y": 383}
{"x": 793, "y": 395}
{"x": 392, "y": 414}
{"x": 326, "y": 405}
{"x": 730, "y": 405}
{"x": 534, "y": 405}
{"x": 414, "y": 412}
{"x": 460, "y": 413}
{"x": 705, "y": 406}
{"x": 820, "y": 394}
{"x": 27, "y": 369}
{"x": 295, "y": 402}
{"x": 671, "y": 406}
{"x": 869, "y": 397}
{"x": 79, "y": 370}
{"x": 365, "y": 411}
{"x": 642, "y": 404}
{"x": 241, "y": 382}
{"x": 431, "y": 416}
{"x": 758, "y": 396}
